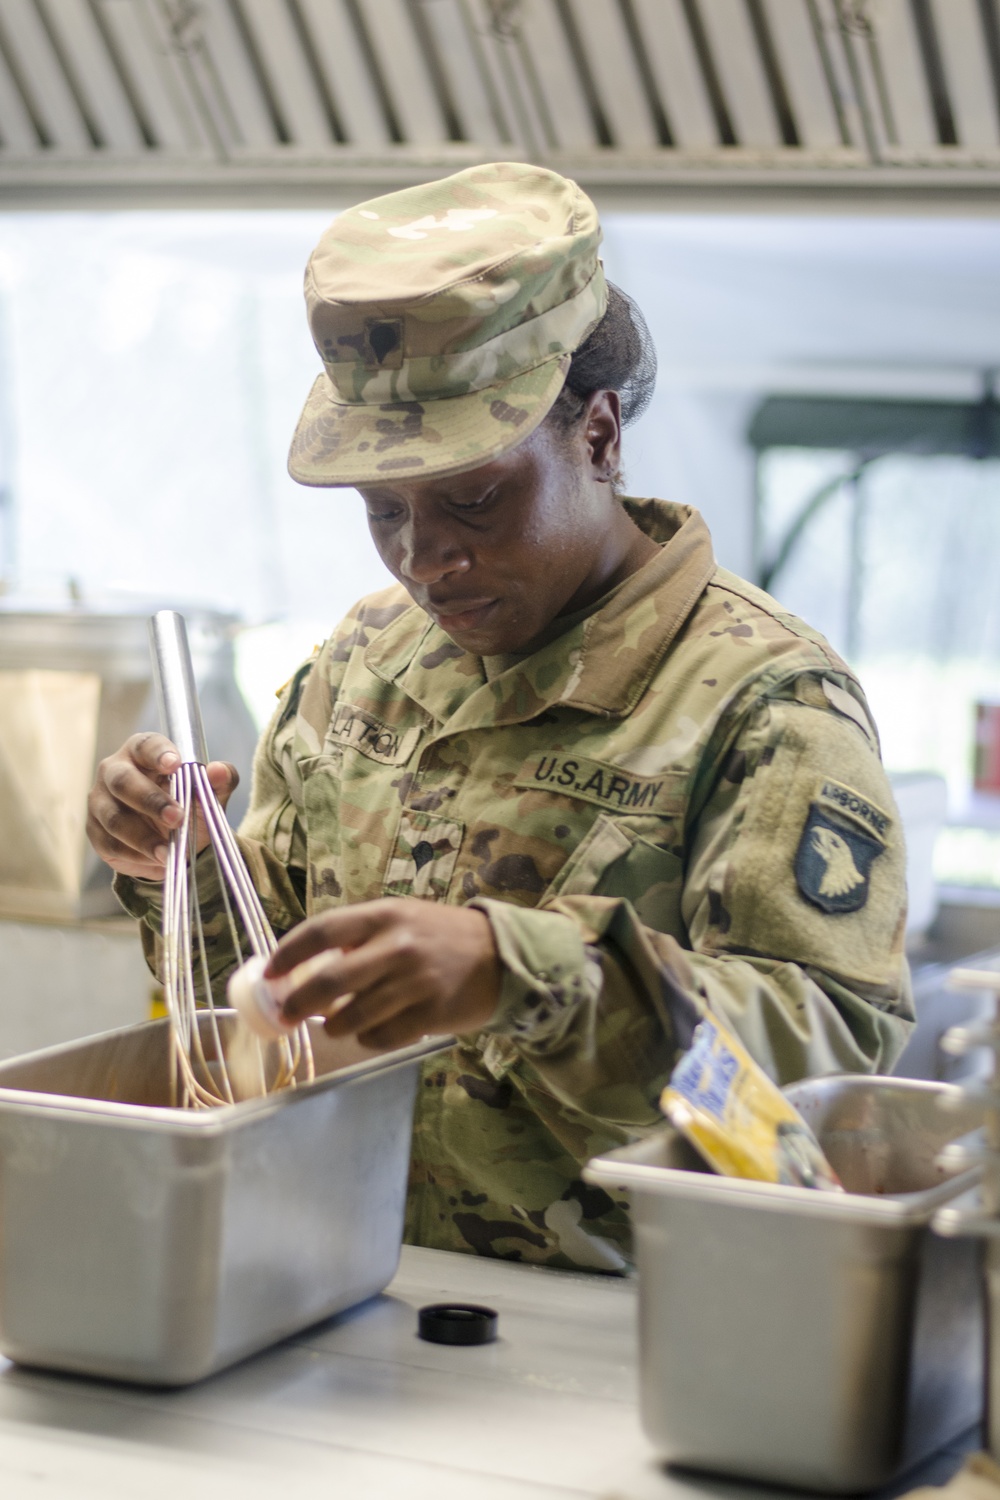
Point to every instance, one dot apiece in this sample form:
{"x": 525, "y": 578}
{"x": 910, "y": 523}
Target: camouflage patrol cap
{"x": 445, "y": 316}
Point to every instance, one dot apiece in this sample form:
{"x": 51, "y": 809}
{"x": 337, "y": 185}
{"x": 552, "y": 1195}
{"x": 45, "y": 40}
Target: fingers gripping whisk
{"x": 234, "y": 1064}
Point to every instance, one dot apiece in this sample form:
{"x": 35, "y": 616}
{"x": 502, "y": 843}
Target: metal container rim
{"x": 202, "y": 1122}
{"x": 900, "y": 1211}
{"x": 627, "y": 1167}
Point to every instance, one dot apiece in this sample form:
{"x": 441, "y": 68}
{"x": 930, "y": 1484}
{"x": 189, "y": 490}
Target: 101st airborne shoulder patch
{"x": 843, "y": 836}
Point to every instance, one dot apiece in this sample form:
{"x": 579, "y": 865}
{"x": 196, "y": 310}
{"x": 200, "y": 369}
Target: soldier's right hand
{"x": 130, "y": 812}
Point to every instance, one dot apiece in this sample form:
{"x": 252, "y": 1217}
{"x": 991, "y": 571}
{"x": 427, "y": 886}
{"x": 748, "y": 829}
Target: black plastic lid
{"x": 457, "y": 1323}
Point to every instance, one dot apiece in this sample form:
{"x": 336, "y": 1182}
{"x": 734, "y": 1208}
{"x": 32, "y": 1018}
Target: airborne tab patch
{"x": 834, "y": 861}
{"x": 848, "y": 803}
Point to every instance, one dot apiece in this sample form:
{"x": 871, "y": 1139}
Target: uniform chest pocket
{"x": 321, "y": 776}
{"x": 351, "y": 818}
{"x": 631, "y": 859}
{"x": 424, "y": 856}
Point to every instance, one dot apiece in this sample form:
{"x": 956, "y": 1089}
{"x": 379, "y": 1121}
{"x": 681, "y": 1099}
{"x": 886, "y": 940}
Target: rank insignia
{"x": 384, "y": 340}
{"x": 834, "y": 861}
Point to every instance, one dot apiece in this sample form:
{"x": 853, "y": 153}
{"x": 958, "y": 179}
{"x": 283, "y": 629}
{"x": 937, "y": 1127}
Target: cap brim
{"x": 339, "y": 444}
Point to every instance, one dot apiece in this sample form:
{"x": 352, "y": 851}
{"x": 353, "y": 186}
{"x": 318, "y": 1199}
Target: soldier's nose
{"x": 428, "y": 556}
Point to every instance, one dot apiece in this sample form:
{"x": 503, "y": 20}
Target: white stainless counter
{"x": 361, "y": 1407}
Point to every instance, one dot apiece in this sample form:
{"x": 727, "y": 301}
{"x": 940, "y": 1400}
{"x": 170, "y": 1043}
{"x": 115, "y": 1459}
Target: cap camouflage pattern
{"x": 445, "y": 316}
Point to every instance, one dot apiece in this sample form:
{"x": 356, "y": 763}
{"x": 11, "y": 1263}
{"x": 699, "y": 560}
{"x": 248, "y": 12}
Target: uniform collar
{"x": 601, "y": 665}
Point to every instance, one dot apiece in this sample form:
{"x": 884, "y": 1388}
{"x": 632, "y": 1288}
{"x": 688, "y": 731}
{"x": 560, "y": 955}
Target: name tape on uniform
{"x": 596, "y": 781}
{"x": 363, "y": 731}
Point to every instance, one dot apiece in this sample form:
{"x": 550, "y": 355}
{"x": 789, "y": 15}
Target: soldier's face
{"x": 495, "y": 555}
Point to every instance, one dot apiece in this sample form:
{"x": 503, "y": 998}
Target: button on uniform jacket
{"x": 677, "y": 804}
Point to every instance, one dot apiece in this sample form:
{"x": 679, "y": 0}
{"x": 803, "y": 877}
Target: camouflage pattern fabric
{"x": 629, "y": 805}
{"x": 445, "y": 316}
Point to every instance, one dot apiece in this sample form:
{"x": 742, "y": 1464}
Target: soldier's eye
{"x": 478, "y": 503}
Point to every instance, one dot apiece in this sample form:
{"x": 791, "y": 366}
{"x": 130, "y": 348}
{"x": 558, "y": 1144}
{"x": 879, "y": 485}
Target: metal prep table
{"x": 361, "y": 1408}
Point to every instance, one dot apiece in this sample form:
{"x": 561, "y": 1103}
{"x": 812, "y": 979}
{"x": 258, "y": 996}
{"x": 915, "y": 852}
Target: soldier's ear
{"x": 602, "y": 434}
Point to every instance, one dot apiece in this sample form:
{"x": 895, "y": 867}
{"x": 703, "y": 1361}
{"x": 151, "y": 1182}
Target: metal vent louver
{"x": 144, "y": 90}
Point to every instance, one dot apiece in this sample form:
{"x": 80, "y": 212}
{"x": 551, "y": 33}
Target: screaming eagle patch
{"x": 836, "y": 852}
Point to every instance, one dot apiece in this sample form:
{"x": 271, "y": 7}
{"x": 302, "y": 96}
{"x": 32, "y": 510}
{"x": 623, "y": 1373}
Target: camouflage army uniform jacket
{"x": 678, "y": 803}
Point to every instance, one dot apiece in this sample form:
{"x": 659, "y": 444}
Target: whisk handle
{"x": 173, "y": 678}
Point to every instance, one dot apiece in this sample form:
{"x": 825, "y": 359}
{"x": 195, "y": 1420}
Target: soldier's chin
{"x": 472, "y": 629}
{"x": 492, "y": 631}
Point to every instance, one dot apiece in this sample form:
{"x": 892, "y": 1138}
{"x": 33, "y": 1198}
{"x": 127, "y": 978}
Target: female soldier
{"x": 570, "y": 783}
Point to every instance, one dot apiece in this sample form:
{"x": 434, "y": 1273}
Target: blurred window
{"x": 896, "y": 558}
{"x": 152, "y": 368}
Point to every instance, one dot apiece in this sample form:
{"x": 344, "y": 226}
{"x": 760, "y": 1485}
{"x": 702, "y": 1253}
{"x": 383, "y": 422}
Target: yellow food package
{"x": 737, "y": 1119}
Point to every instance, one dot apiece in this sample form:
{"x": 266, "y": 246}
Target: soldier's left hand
{"x": 395, "y": 970}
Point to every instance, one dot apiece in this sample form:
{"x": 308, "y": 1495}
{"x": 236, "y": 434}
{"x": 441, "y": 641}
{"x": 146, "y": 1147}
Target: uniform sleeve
{"x": 794, "y": 903}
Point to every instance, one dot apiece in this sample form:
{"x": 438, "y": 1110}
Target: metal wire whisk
{"x": 202, "y": 1081}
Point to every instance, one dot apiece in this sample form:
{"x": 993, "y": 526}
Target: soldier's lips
{"x": 462, "y": 614}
